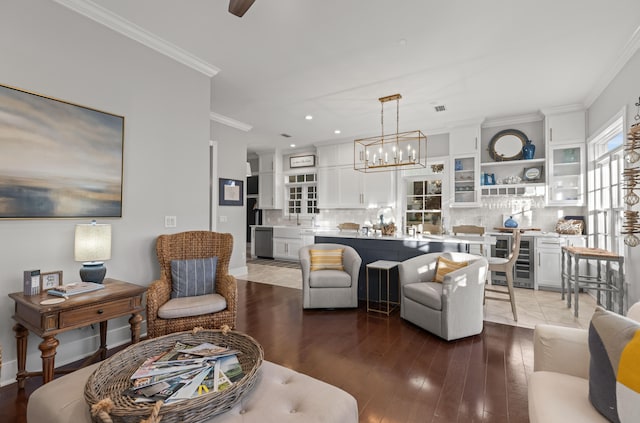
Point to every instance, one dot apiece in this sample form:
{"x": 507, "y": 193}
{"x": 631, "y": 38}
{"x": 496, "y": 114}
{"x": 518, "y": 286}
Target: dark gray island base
{"x": 394, "y": 249}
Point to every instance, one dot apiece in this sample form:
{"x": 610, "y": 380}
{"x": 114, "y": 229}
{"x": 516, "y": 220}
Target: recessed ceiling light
{"x": 337, "y": 131}
{"x": 292, "y": 145}
{"x": 308, "y": 117}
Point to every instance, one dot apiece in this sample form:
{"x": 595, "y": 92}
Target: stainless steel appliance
{"x": 263, "y": 244}
{"x": 524, "y": 276}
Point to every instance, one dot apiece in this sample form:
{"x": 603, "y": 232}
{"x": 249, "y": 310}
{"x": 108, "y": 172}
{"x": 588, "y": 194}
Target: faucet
{"x": 298, "y": 219}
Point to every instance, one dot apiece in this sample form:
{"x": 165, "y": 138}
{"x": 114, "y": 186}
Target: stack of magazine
{"x": 185, "y": 371}
{"x": 74, "y": 289}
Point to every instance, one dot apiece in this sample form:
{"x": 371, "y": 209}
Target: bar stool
{"x": 506, "y": 264}
{"x": 571, "y": 275}
{"x": 469, "y": 229}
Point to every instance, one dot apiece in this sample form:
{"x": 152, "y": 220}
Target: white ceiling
{"x": 334, "y": 58}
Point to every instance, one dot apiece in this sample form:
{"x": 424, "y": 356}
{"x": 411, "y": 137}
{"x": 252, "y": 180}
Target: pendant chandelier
{"x": 407, "y": 150}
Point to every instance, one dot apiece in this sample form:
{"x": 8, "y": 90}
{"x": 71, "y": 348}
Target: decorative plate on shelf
{"x": 532, "y": 173}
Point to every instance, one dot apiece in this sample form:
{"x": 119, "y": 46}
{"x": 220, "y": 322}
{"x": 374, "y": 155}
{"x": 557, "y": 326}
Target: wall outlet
{"x": 223, "y": 219}
{"x": 170, "y": 221}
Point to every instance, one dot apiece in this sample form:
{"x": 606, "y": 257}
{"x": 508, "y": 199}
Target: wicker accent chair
{"x": 185, "y": 246}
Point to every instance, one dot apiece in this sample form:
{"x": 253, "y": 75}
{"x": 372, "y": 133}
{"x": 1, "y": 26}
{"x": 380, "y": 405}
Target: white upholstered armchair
{"x": 450, "y": 309}
{"x": 329, "y": 288}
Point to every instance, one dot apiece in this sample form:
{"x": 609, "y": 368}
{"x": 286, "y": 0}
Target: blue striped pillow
{"x": 195, "y": 277}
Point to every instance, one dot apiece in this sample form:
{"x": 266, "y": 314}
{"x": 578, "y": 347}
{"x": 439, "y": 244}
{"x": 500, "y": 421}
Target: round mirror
{"x": 507, "y": 145}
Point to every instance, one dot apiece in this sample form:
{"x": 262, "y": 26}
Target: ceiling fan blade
{"x": 239, "y": 7}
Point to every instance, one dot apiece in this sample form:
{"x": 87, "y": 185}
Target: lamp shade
{"x": 92, "y": 242}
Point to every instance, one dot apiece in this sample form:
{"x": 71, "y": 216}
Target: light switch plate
{"x": 170, "y": 221}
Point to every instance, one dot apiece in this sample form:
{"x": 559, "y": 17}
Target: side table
{"x": 117, "y": 299}
{"x": 381, "y": 265}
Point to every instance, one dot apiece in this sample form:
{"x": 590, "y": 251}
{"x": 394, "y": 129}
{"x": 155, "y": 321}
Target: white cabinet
{"x": 464, "y": 140}
{"x": 567, "y": 127}
{"x": 566, "y": 172}
{"x": 286, "y": 249}
{"x": 287, "y": 241}
{"x": 346, "y": 188}
{"x": 466, "y": 180}
{"x": 549, "y": 251}
{"x": 549, "y": 260}
{"x": 270, "y": 181}
{"x": 379, "y": 189}
{"x": 335, "y": 154}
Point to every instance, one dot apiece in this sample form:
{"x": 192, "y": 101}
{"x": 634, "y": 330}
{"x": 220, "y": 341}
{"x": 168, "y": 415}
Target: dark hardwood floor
{"x": 395, "y": 370}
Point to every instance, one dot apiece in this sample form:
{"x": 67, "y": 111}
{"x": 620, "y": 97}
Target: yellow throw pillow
{"x": 326, "y": 259}
{"x": 445, "y": 266}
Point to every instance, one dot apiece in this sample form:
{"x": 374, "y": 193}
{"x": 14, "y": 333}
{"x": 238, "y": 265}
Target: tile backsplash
{"x": 544, "y": 218}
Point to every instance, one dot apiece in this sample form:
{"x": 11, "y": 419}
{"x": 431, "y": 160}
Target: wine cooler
{"x": 524, "y": 268}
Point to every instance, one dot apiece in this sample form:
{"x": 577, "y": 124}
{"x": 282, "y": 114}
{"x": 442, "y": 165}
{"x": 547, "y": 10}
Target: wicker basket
{"x": 112, "y": 377}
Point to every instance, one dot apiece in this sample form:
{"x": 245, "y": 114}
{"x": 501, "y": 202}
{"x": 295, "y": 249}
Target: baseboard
{"x": 68, "y": 351}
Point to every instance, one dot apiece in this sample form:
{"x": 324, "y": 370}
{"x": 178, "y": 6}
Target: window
{"x": 604, "y": 188}
{"x": 424, "y": 204}
{"x": 302, "y": 194}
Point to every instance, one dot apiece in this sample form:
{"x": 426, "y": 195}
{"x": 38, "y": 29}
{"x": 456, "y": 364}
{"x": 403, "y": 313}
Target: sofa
{"x": 559, "y": 385}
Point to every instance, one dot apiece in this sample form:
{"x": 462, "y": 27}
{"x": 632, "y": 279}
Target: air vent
{"x": 286, "y": 135}
{"x": 440, "y": 108}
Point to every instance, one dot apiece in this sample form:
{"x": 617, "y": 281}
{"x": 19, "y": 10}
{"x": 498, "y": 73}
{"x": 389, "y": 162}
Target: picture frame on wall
{"x": 58, "y": 159}
{"x": 308, "y": 160}
{"x": 230, "y": 192}
{"x": 49, "y": 280}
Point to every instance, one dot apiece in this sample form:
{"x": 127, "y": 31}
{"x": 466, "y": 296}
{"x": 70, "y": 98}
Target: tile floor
{"x": 533, "y": 307}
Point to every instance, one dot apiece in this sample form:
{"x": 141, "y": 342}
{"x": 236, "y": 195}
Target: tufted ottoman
{"x": 280, "y": 395}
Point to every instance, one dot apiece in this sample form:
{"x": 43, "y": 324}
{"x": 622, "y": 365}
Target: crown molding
{"x": 627, "y": 52}
{"x": 122, "y": 26}
{"x": 563, "y": 109}
{"x": 512, "y": 120}
{"x": 217, "y": 117}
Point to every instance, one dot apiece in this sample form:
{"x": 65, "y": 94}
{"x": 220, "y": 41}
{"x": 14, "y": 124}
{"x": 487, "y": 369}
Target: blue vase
{"x": 510, "y": 223}
{"x": 528, "y": 150}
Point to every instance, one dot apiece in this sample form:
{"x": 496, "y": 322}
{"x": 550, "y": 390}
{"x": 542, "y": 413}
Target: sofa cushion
{"x": 559, "y": 398}
{"x": 329, "y": 279}
{"x": 326, "y": 259}
{"x": 614, "y": 369}
{"x": 194, "y": 277}
{"x": 445, "y": 266}
{"x": 425, "y": 293}
{"x": 192, "y": 306}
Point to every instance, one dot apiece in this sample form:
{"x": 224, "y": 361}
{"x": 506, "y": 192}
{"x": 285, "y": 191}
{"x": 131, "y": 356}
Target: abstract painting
{"x": 58, "y": 159}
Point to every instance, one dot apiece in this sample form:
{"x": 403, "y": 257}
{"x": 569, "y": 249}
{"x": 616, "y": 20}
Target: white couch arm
{"x": 561, "y": 349}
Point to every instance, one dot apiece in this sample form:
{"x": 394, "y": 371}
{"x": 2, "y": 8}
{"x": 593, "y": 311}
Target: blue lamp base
{"x": 93, "y": 272}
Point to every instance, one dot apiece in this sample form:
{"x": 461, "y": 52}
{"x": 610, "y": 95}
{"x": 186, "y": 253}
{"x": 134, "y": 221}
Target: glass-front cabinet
{"x": 466, "y": 181}
{"x": 566, "y": 175}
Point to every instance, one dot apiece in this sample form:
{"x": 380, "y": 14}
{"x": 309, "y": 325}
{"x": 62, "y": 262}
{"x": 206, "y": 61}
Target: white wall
{"x": 48, "y": 49}
{"x": 624, "y": 90}
{"x": 232, "y": 164}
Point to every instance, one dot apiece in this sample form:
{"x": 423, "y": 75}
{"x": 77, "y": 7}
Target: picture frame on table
{"x": 49, "y": 280}
{"x": 533, "y": 173}
{"x": 230, "y": 192}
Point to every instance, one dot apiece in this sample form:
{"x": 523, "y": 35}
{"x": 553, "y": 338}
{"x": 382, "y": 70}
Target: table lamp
{"x": 92, "y": 246}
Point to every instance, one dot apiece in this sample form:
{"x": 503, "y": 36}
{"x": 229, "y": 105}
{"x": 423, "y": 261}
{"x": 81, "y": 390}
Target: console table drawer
{"x": 87, "y": 315}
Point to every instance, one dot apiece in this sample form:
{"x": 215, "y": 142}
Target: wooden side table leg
{"x": 135, "y": 321}
{"x": 103, "y": 340}
{"x": 22, "y": 335}
{"x": 48, "y": 347}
